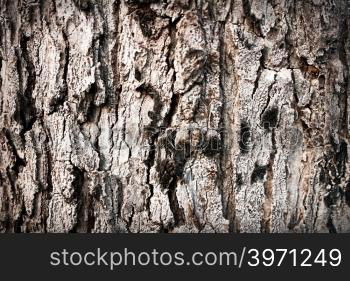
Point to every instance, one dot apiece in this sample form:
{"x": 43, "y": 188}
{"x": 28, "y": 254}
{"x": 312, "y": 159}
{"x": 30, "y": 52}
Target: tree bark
{"x": 174, "y": 116}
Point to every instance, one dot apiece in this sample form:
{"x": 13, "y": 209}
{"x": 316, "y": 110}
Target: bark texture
{"x": 174, "y": 116}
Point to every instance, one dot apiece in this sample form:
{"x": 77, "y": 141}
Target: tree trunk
{"x": 174, "y": 116}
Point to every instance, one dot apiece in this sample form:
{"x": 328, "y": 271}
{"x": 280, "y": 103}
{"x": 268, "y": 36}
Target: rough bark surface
{"x": 174, "y": 116}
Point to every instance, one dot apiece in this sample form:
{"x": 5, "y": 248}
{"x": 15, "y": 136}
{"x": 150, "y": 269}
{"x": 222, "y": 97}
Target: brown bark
{"x": 174, "y": 116}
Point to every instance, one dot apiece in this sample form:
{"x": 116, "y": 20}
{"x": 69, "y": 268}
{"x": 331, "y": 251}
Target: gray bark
{"x": 174, "y": 116}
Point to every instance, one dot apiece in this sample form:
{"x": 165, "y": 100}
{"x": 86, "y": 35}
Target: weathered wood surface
{"x": 174, "y": 116}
